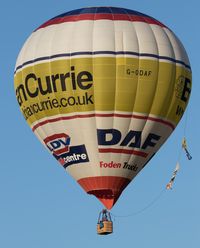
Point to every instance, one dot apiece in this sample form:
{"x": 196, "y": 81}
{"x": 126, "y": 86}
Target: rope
{"x": 184, "y": 136}
{"x": 186, "y": 120}
{"x": 143, "y": 209}
{"x": 163, "y": 190}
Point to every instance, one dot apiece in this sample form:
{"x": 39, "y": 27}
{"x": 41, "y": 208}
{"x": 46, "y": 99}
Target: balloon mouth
{"x": 106, "y": 197}
{"x": 107, "y": 189}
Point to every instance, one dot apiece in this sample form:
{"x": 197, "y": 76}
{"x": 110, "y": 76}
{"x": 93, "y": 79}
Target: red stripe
{"x": 167, "y": 123}
{"x": 94, "y": 17}
{"x": 55, "y": 136}
{"x": 125, "y": 151}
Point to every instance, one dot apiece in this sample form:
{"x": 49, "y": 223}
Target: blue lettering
{"x": 108, "y": 137}
{"x": 186, "y": 90}
{"x": 55, "y": 144}
{"x": 149, "y": 140}
{"x": 136, "y": 135}
{"x": 66, "y": 142}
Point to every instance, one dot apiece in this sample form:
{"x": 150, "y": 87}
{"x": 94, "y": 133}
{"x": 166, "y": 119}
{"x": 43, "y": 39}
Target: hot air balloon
{"x": 103, "y": 88}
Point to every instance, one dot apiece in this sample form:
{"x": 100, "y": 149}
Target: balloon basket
{"x": 104, "y": 224}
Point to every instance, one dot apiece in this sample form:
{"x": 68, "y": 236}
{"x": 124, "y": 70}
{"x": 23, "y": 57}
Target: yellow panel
{"x": 103, "y": 84}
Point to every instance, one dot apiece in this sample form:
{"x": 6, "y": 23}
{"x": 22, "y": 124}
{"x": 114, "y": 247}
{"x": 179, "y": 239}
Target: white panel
{"x": 146, "y": 38}
{"x": 163, "y": 43}
{"x": 44, "y": 44}
{"x": 80, "y": 38}
{"x": 125, "y": 36}
{"x": 179, "y": 50}
{"x": 61, "y": 42}
{"x": 102, "y": 35}
{"x": 27, "y": 51}
{"x": 83, "y": 131}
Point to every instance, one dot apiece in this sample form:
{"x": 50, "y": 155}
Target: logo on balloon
{"x": 59, "y": 145}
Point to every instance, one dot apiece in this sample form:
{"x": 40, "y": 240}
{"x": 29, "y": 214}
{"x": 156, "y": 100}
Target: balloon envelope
{"x": 103, "y": 88}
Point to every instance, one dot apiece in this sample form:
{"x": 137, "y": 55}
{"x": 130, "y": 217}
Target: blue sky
{"x": 41, "y": 206}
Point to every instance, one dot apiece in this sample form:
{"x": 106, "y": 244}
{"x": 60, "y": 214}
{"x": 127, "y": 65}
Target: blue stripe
{"x": 102, "y": 53}
{"x": 101, "y": 10}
